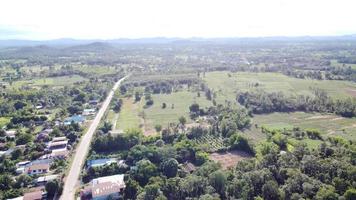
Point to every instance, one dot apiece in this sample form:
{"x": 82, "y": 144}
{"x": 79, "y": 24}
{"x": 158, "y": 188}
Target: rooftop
{"x": 107, "y": 185}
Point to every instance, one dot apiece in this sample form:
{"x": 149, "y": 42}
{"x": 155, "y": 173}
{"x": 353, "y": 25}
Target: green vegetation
{"x": 128, "y": 116}
{"x": 226, "y": 84}
{"x": 55, "y": 81}
{"x": 329, "y": 125}
{"x": 177, "y": 105}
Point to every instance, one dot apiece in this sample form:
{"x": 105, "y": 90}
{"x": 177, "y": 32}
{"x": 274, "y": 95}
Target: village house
{"x": 104, "y": 162}
{"x": 78, "y": 119}
{"x": 93, "y": 102}
{"x": 11, "y": 134}
{"x": 41, "y": 181}
{"x": 21, "y": 166}
{"x": 87, "y": 112}
{"x": 38, "y": 167}
{"x": 105, "y": 187}
{"x": 58, "y": 143}
{"x": 35, "y": 195}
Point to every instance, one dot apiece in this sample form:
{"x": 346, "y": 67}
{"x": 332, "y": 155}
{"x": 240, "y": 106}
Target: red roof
{"x": 33, "y": 196}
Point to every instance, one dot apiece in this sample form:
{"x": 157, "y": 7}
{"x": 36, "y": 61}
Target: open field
{"x": 53, "y": 81}
{"x": 98, "y": 70}
{"x": 229, "y": 159}
{"x": 226, "y": 87}
{"x": 330, "y": 125}
{"x": 129, "y": 115}
{"x": 177, "y": 105}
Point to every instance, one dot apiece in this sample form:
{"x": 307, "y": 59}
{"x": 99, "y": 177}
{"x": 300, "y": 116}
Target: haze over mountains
{"x": 165, "y": 40}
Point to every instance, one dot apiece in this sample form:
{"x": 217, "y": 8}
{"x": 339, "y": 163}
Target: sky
{"x": 111, "y": 19}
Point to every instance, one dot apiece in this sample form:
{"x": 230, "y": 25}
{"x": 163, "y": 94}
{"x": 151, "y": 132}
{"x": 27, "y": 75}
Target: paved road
{"x": 83, "y": 148}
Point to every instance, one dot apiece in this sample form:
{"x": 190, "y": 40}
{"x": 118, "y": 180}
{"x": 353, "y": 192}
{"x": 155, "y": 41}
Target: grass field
{"x": 155, "y": 114}
{"x": 55, "y": 81}
{"x": 330, "y": 125}
{"x": 129, "y": 115}
{"x": 99, "y": 70}
{"x": 226, "y": 87}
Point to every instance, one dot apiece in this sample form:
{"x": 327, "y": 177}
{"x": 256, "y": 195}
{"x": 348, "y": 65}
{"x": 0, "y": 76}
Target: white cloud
{"x": 47, "y": 19}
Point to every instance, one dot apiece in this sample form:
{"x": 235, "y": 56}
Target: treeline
{"x": 262, "y": 102}
{"x": 329, "y": 73}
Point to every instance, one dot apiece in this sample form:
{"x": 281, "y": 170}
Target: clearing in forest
{"x": 229, "y": 159}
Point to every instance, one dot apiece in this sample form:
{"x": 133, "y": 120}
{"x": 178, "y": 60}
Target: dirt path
{"x": 71, "y": 181}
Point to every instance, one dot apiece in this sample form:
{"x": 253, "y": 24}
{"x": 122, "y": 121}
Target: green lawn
{"x": 330, "y": 125}
{"x": 226, "y": 87}
{"x": 155, "y": 114}
{"x": 129, "y": 115}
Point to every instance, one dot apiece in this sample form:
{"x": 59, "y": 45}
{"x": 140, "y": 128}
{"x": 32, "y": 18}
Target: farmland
{"x": 55, "y": 81}
{"x": 177, "y": 105}
{"x": 129, "y": 115}
{"x": 226, "y": 84}
{"x": 329, "y": 125}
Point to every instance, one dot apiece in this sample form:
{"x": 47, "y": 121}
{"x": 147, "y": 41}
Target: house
{"x": 21, "y": 167}
{"x": 103, "y": 187}
{"x": 87, "y": 112}
{"x": 40, "y": 181}
{"x": 78, "y": 119}
{"x": 37, "y": 195}
{"x": 39, "y": 106}
{"x": 38, "y": 167}
{"x": 10, "y": 134}
{"x": 94, "y": 102}
{"x": 56, "y": 154}
{"x": 58, "y": 143}
{"x": 103, "y": 162}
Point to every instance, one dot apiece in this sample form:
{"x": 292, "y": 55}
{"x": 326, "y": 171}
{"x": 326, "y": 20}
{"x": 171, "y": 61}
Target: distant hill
{"x": 91, "y": 47}
{"x": 162, "y": 40}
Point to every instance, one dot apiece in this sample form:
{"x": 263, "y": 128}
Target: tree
{"x": 23, "y": 181}
{"x": 19, "y": 105}
{"x": 106, "y": 127}
{"x": 194, "y": 108}
{"x": 164, "y": 105}
{"x": 131, "y": 189}
{"x": 52, "y": 187}
{"x": 218, "y": 180}
{"x": 326, "y": 193}
{"x": 158, "y": 127}
{"x": 238, "y": 142}
{"x": 170, "y": 167}
{"x": 137, "y": 96}
{"x": 182, "y": 120}
{"x": 350, "y": 194}
{"x": 270, "y": 191}
{"x": 145, "y": 170}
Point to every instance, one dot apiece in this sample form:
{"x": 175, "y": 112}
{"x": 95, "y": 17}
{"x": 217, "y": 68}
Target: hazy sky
{"x": 107, "y": 19}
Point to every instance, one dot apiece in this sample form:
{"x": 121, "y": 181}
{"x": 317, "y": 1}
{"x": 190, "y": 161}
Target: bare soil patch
{"x": 352, "y": 92}
{"x": 229, "y": 159}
